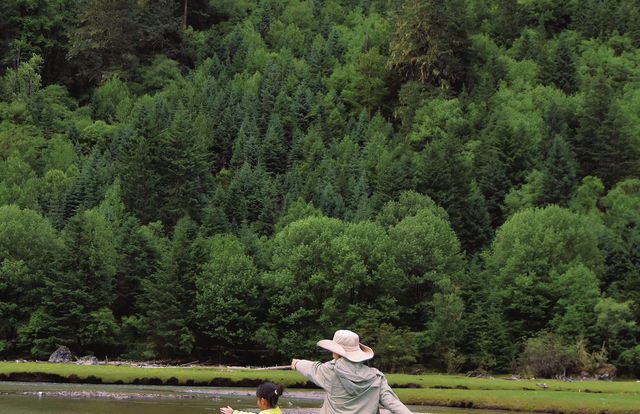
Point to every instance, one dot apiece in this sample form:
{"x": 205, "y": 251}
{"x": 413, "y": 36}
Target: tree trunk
{"x": 184, "y": 15}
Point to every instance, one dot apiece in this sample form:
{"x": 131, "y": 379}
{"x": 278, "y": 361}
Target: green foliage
{"x": 544, "y": 263}
{"x": 24, "y": 82}
{"x": 616, "y": 325}
{"x": 107, "y": 99}
{"x": 166, "y": 325}
{"x": 429, "y": 42}
{"x": 463, "y": 173}
{"x": 74, "y": 307}
{"x": 29, "y": 248}
{"x": 395, "y": 349}
{"x": 227, "y": 294}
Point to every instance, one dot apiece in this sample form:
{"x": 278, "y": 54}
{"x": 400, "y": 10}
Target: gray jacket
{"x": 351, "y": 387}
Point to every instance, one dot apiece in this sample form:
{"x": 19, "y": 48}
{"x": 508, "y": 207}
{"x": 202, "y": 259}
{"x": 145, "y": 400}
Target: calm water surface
{"x": 41, "y": 398}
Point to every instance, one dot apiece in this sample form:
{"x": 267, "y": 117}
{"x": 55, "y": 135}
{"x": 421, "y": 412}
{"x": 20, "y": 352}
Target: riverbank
{"x": 549, "y": 396}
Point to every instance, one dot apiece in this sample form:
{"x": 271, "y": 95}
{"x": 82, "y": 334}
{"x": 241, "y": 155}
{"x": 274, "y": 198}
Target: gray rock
{"x": 87, "y": 360}
{"x": 606, "y": 372}
{"x": 62, "y": 354}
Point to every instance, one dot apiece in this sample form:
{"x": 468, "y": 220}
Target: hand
{"x": 293, "y": 364}
{"x": 226, "y": 410}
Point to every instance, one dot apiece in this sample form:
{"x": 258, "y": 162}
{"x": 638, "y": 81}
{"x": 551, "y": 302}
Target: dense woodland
{"x": 456, "y": 180}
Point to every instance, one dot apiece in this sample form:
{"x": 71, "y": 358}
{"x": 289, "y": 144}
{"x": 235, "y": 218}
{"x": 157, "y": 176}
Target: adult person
{"x": 351, "y": 386}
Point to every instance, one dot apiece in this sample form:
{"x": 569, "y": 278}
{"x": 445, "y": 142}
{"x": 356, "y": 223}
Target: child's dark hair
{"x": 270, "y": 392}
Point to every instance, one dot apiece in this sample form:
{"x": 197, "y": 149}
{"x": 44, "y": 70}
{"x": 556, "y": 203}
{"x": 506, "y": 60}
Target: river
{"x": 41, "y": 398}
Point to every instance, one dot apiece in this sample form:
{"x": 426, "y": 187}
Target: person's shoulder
{"x": 375, "y": 371}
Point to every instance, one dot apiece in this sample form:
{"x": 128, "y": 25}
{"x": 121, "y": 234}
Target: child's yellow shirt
{"x": 275, "y": 410}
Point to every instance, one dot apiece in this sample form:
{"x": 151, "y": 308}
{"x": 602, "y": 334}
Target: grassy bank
{"x": 433, "y": 389}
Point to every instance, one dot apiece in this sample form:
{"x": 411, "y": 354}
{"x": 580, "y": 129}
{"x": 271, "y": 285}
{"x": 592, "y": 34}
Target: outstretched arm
{"x": 313, "y": 370}
{"x": 390, "y": 400}
{"x": 229, "y": 410}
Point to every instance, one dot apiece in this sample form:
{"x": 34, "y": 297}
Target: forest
{"x": 230, "y": 181}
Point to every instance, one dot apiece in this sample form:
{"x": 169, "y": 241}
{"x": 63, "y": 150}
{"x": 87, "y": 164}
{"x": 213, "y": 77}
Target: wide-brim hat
{"x": 347, "y": 344}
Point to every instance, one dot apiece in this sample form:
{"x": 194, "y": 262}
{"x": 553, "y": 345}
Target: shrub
{"x": 546, "y": 356}
{"x": 395, "y": 348}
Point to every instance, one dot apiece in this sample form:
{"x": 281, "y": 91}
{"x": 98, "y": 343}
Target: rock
{"x": 87, "y": 360}
{"x": 62, "y": 354}
{"x": 606, "y": 372}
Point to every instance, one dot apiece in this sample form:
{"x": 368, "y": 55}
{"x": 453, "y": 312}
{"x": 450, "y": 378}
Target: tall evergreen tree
{"x": 301, "y": 106}
{"x": 184, "y": 174}
{"x": 429, "y": 43}
{"x": 559, "y": 175}
{"x": 273, "y": 151}
{"x": 75, "y": 306}
{"x": 600, "y": 148}
{"x": 168, "y": 297}
{"x": 562, "y": 71}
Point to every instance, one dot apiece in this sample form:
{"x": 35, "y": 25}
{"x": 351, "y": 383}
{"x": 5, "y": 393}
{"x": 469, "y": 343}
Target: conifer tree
{"x": 184, "y": 174}
{"x": 600, "y": 148}
{"x": 334, "y": 46}
{"x": 301, "y": 106}
{"x": 273, "y": 149}
{"x": 76, "y": 302}
{"x": 559, "y": 176}
{"x": 562, "y": 71}
{"x": 319, "y": 63}
{"x": 429, "y": 42}
{"x": 269, "y": 89}
{"x": 169, "y": 296}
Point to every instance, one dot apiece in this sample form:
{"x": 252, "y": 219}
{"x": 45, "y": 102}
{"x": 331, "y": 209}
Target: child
{"x": 267, "y": 396}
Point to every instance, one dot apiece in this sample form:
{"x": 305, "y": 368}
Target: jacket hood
{"x": 356, "y": 378}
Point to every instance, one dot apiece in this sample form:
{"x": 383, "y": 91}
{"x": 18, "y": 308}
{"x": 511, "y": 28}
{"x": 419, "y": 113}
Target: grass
{"x": 543, "y": 400}
{"x": 127, "y": 373}
{"x": 584, "y": 397}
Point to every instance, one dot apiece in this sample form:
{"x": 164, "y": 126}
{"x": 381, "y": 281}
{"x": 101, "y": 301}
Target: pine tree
{"x": 334, "y": 46}
{"x": 301, "y": 106}
{"x": 563, "y": 72}
{"x": 169, "y": 296}
{"x": 236, "y": 50}
{"x": 493, "y": 182}
{"x": 273, "y": 151}
{"x": 139, "y": 180}
{"x": 429, "y": 43}
{"x": 78, "y": 298}
{"x": 319, "y": 63}
{"x": 269, "y": 89}
{"x": 559, "y": 175}
{"x": 185, "y": 175}
{"x": 600, "y": 148}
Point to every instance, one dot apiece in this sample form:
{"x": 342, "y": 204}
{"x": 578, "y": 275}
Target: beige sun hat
{"x": 347, "y": 344}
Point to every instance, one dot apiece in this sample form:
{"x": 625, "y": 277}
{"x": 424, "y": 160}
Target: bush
{"x": 546, "y": 356}
{"x": 630, "y": 361}
{"x": 588, "y": 362}
{"x": 395, "y": 348}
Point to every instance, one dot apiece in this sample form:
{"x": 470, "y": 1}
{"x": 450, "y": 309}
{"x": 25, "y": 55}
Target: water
{"x": 41, "y": 398}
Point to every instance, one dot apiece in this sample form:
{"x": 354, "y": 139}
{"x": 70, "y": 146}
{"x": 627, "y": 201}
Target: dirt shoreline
{"x": 91, "y": 379}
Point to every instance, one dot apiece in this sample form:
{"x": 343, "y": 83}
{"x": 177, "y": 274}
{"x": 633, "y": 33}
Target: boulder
{"x": 606, "y": 372}
{"x": 62, "y": 354}
{"x": 87, "y": 360}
